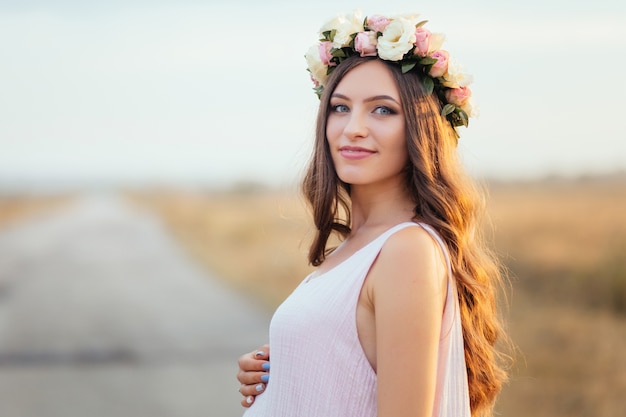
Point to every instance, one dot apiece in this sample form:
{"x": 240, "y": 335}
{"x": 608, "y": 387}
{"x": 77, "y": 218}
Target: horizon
{"x": 247, "y": 186}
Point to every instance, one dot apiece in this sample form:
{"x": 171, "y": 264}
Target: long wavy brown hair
{"x": 445, "y": 198}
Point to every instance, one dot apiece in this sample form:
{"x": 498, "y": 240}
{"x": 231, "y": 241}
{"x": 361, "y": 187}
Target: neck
{"x": 379, "y": 207}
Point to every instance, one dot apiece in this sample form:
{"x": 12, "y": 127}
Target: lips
{"x": 355, "y": 152}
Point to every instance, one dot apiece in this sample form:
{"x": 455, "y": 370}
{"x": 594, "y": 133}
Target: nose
{"x": 356, "y": 126}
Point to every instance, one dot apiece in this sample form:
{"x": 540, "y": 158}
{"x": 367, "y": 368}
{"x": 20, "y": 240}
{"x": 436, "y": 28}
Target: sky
{"x": 191, "y": 92}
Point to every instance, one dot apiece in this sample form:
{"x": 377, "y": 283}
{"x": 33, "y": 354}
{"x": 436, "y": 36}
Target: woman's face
{"x": 366, "y": 127}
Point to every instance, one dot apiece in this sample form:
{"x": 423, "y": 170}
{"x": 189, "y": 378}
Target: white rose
{"x": 332, "y": 24}
{"x": 344, "y": 27}
{"x": 411, "y": 17}
{"x": 470, "y": 108}
{"x": 436, "y": 41}
{"x": 455, "y": 78}
{"x": 397, "y": 39}
{"x": 315, "y": 65}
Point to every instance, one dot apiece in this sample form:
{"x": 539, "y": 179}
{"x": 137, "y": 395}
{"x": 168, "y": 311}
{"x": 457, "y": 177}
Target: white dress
{"x": 318, "y": 367}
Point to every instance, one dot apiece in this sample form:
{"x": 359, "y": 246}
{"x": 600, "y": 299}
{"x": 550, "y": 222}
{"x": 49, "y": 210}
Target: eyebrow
{"x": 373, "y": 98}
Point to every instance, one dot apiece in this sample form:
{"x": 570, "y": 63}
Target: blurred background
{"x": 150, "y": 153}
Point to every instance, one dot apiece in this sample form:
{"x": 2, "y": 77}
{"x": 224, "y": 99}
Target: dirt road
{"x": 103, "y": 314}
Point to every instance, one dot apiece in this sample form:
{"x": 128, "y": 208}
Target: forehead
{"x": 371, "y": 78}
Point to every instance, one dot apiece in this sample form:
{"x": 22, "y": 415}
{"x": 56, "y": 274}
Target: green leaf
{"x": 339, "y": 53}
{"x": 408, "y": 66}
{"x": 427, "y": 61}
{"x": 429, "y": 85}
{"x": 352, "y": 38}
{"x": 329, "y": 35}
{"x": 420, "y": 24}
{"x": 447, "y": 109}
{"x": 464, "y": 118}
{"x": 318, "y": 90}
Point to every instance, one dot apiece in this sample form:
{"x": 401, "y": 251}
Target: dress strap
{"x": 444, "y": 248}
{"x": 451, "y": 309}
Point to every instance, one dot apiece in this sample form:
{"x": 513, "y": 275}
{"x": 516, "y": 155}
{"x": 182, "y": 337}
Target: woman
{"x": 400, "y": 318}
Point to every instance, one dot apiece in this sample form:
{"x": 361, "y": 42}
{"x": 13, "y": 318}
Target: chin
{"x": 352, "y": 179}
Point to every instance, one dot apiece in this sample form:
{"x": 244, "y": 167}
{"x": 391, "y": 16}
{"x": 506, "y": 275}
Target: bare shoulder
{"x": 411, "y": 256}
{"x": 410, "y": 240}
{"x": 412, "y": 246}
{"x": 408, "y": 298}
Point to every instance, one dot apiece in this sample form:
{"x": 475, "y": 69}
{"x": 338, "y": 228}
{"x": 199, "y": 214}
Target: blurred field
{"x": 14, "y": 208}
{"x": 256, "y": 240}
{"x": 563, "y": 241}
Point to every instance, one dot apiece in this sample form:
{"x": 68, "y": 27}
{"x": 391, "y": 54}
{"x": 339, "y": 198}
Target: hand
{"x": 253, "y": 374}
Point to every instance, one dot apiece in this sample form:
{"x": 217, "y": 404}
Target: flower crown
{"x": 403, "y": 40}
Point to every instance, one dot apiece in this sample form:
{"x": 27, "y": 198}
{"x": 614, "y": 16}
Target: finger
{"x": 252, "y": 390}
{"x": 249, "y": 377}
{"x": 262, "y": 352}
{"x": 249, "y": 362}
{"x": 247, "y": 401}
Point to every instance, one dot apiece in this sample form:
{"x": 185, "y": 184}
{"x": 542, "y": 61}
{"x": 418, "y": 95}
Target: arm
{"x": 408, "y": 289}
{"x": 253, "y": 373}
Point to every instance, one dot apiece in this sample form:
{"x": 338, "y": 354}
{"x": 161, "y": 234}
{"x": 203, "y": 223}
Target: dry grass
{"x": 571, "y": 362}
{"x": 549, "y": 223}
{"x": 564, "y": 243}
{"x": 15, "y": 208}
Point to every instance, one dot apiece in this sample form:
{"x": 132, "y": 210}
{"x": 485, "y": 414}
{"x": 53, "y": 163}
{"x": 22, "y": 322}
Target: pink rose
{"x": 377, "y": 22}
{"x": 458, "y": 96}
{"x": 422, "y": 41}
{"x": 325, "y": 55}
{"x": 441, "y": 66}
{"x": 365, "y": 43}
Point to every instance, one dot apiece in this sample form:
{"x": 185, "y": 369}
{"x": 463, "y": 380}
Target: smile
{"x": 352, "y": 152}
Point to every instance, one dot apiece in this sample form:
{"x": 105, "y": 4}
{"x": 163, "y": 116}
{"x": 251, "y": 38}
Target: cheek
{"x": 399, "y": 141}
{"x": 333, "y": 129}
{"x": 402, "y": 156}
{"x": 401, "y": 149}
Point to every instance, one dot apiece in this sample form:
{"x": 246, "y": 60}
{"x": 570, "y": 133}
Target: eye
{"x": 384, "y": 110}
{"x": 340, "y": 108}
